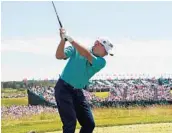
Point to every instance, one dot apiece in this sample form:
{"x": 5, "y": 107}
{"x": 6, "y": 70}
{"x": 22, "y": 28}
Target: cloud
{"x": 48, "y": 45}
{"x": 42, "y": 45}
{"x": 144, "y": 48}
{"x": 131, "y": 56}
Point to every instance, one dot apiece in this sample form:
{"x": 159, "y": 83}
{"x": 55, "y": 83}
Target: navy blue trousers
{"x": 72, "y": 106}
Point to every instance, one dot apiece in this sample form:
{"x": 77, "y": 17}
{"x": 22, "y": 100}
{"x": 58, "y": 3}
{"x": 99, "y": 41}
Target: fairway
{"x": 138, "y": 128}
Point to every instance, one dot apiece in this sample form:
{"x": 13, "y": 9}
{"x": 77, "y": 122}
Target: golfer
{"x": 81, "y": 66}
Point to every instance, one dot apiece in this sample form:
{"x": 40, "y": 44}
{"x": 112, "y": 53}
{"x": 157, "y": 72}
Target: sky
{"x": 140, "y": 31}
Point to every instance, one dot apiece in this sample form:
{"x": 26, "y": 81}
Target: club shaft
{"x": 57, "y": 15}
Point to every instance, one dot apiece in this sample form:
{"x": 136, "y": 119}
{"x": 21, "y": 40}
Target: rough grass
{"x": 104, "y": 117}
{"x": 14, "y": 101}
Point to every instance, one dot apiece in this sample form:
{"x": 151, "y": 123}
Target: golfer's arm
{"x": 60, "y": 50}
{"x": 82, "y": 51}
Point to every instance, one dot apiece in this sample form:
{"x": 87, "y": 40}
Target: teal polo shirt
{"x": 78, "y": 70}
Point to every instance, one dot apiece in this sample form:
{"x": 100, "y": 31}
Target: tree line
{"x": 25, "y": 84}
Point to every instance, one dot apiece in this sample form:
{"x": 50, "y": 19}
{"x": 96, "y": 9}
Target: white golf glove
{"x": 66, "y": 37}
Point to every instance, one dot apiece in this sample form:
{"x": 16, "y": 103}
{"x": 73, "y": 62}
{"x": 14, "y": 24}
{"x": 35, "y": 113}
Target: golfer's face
{"x": 100, "y": 49}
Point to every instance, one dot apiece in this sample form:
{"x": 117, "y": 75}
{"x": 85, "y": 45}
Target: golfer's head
{"x": 102, "y": 47}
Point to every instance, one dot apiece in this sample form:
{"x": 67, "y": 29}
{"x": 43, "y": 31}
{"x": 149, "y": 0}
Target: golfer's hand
{"x": 62, "y": 32}
{"x": 64, "y": 36}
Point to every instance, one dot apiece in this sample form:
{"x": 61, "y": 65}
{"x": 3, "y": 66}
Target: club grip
{"x": 62, "y": 27}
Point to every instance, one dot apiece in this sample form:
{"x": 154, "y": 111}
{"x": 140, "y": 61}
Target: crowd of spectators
{"x": 17, "y": 112}
{"x": 46, "y": 92}
{"x": 119, "y": 90}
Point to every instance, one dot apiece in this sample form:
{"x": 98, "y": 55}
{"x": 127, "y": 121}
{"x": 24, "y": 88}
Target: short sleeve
{"x": 69, "y": 51}
{"x": 98, "y": 62}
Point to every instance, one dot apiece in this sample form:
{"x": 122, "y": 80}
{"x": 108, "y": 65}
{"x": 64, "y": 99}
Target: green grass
{"x": 14, "y": 101}
{"x": 13, "y": 92}
{"x": 103, "y": 117}
{"x": 136, "y": 128}
{"x": 10, "y": 90}
{"x": 101, "y": 94}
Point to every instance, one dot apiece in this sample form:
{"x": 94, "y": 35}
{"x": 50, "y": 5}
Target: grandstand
{"x": 120, "y": 91}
